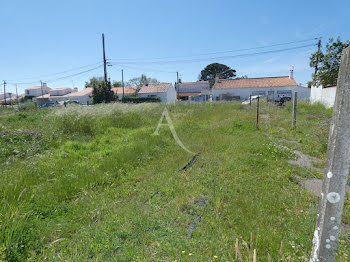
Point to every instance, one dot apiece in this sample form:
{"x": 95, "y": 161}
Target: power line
{"x": 144, "y": 69}
{"x": 76, "y": 74}
{"x": 219, "y": 52}
{"x": 217, "y": 58}
{"x": 58, "y": 79}
{"x": 54, "y": 74}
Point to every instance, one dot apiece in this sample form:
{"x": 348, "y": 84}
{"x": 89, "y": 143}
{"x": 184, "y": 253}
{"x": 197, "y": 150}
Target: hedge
{"x": 141, "y": 100}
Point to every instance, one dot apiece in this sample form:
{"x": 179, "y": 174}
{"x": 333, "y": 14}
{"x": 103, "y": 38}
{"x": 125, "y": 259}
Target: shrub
{"x": 28, "y": 106}
{"x": 141, "y": 100}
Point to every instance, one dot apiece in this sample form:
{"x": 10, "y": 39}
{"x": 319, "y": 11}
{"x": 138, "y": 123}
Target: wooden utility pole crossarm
{"x": 330, "y": 210}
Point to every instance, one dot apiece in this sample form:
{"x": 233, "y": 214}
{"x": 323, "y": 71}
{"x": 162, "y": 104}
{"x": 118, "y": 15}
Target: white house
{"x": 37, "y": 90}
{"x": 54, "y": 95}
{"x": 272, "y": 87}
{"x": 82, "y": 97}
{"x": 324, "y": 95}
{"x": 166, "y": 91}
{"x": 193, "y": 91}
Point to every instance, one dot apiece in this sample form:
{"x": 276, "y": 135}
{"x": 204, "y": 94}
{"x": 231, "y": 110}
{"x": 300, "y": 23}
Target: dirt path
{"x": 304, "y": 160}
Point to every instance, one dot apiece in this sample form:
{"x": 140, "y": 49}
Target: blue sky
{"x": 41, "y": 38}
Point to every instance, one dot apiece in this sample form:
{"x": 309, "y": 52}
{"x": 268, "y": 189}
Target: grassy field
{"x": 93, "y": 183}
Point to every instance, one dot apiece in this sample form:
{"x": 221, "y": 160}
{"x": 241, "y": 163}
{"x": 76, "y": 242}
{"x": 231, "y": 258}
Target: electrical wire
{"x": 56, "y": 79}
{"x": 54, "y": 74}
{"x": 143, "y": 69}
{"x": 217, "y": 58}
{"x": 219, "y": 52}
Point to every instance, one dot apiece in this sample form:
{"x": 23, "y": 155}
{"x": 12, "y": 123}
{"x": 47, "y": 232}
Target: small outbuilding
{"x": 165, "y": 91}
{"x": 83, "y": 97}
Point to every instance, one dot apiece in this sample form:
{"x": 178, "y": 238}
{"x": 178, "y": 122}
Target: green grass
{"x": 75, "y": 183}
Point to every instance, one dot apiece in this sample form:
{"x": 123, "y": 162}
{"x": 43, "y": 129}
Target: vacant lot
{"x": 93, "y": 183}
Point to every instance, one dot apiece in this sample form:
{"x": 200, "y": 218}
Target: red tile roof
{"x": 255, "y": 82}
{"x": 83, "y": 92}
{"x": 127, "y": 90}
{"x": 155, "y": 88}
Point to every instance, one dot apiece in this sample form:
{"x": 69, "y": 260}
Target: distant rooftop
{"x": 260, "y": 82}
{"x": 155, "y": 88}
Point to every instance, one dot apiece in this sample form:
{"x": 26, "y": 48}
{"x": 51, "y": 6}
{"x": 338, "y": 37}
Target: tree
{"x": 328, "y": 63}
{"x": 103, "y": 93}
{"x": 142, "y": 80}
{"x": 94, "y": 82}
{"x": 216, "y": 70}
{"x": 117, "y": 84}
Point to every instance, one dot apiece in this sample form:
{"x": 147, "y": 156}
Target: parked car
{"x": 48, "y": 104}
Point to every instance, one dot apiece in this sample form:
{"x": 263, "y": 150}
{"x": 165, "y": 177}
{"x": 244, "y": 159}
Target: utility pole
{"x": 5, "y": 92}
{"x": 336, "y": 172}
{"x": 104, "y": 57}
{"x": 123, "y": 82}
{"x": 17, "y": 96}
{"x": 317, "y": 57}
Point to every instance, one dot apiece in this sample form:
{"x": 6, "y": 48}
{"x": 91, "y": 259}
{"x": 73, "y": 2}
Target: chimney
{"x": 179, "y": 80}
{"x": 75, "y": 89}
{"x": 216, "y": 79}
{"x": 291, "y": 73}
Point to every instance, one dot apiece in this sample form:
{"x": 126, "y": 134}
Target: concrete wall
{"x": 244, "y": 93}
{"x": 82, "y": 99}
{"x": 171, "y": 94}
{"x": 325, "y": 96}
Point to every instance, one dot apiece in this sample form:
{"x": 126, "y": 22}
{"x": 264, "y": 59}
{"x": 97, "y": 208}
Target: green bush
{"x": 27, "y": 106}
{"x": 141, "y": 100}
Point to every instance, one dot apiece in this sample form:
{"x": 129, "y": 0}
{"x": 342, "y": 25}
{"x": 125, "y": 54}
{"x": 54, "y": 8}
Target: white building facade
{"x": 165, "y": 91}
{"x": 324, "y": 95}
{"x": 37, "y": 90}
{"x": 272, "y": 87}
{"x": 193, "y": 91}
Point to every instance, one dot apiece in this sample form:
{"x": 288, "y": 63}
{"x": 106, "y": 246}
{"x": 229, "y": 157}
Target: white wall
{"x": 82, "y": 99}
{"x": 325, "y": 96}
{"x": 37, "y": 91}
{"x": 169, "y": 96}
{"x": 244, "y": 93}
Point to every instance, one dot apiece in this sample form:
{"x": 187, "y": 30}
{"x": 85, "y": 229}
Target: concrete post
{"x": 330, "y": 210}
{"x": 295, "y": 101}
